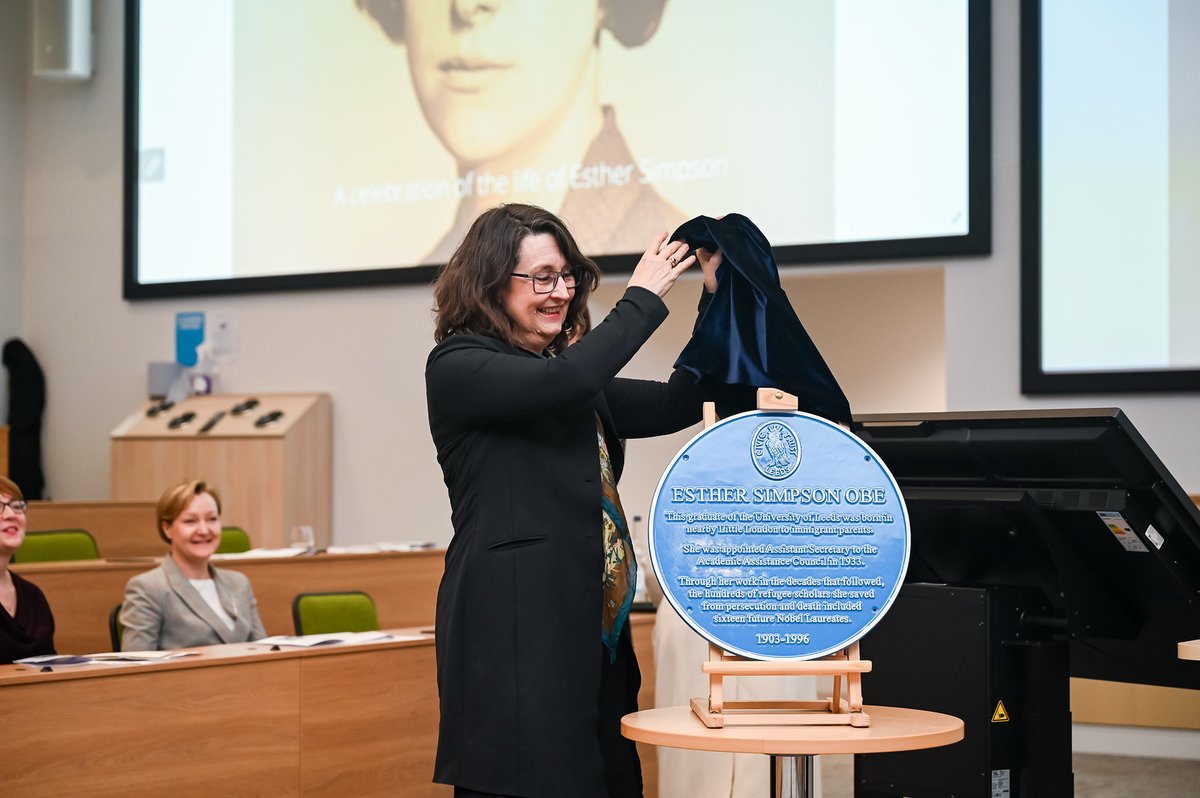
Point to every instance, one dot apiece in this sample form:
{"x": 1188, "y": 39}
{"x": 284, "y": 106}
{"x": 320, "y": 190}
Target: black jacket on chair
{"x": 26, "y": 404}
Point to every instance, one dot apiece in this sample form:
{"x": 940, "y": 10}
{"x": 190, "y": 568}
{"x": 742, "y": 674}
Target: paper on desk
{"x": 336, "y": 638}
{"x": 140, "y": 656}
{"x": 291, "y": 551}
{"x": 386, "y": 545}
{"x": 53, "y": 659}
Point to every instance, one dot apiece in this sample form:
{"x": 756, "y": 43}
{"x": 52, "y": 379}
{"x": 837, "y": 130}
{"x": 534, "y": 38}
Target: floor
{"x": 1096, "y": 776}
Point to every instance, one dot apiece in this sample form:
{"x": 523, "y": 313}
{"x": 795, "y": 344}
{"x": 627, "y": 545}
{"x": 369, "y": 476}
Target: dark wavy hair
{"x": 467, "y": 294}
{"x": 631, "y": 22}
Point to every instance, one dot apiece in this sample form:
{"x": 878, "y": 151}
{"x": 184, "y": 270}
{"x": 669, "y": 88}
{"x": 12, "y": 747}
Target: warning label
{"x": 1001, "y": 783}
{"x": 1001, "y": 714}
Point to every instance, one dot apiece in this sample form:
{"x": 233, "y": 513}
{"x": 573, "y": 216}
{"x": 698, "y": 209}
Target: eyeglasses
{"x": 546, "y": 282}
{"x": 16, "y": 505}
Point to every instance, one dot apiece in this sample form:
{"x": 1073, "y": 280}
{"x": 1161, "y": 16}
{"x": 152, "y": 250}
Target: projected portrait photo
{"x": 364, "y": 135}
{"x": 512, "y": 91}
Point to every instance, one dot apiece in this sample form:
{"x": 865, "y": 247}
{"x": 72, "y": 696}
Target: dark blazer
{"x": 31, "y": 632}
{"x": 518, "y": 610}
{"x": 162, "y": 611}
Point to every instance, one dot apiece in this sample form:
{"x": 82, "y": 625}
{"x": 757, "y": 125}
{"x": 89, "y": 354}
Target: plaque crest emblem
{"x": 775, "y": 450}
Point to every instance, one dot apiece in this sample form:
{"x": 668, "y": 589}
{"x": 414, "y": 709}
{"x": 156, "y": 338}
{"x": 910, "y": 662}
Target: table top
{"x": 1189, "y": 649}
{"x": 207, "y": 657}
{"x": 891, "y": 729}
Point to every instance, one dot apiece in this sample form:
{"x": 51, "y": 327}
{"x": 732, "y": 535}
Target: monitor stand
{"x": 996, "y": 658}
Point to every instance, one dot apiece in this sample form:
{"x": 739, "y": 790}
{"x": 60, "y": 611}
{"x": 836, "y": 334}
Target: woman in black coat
{"x": 535, "y": 663}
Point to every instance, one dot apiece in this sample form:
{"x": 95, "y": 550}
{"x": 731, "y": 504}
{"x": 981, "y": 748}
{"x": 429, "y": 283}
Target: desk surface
{"x": 205, "y": 657}
{"x": 891, "y": 729}
{"x": 82, "y": 593}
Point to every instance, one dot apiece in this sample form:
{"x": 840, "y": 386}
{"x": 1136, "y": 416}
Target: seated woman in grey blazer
{"x": 185, "y": 601}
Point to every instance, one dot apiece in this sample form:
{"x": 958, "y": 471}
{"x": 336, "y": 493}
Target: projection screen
{"x": 279, "y": 145}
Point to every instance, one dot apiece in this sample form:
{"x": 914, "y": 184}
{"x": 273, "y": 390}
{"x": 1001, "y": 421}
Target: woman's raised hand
{"x": 661, "y": 264}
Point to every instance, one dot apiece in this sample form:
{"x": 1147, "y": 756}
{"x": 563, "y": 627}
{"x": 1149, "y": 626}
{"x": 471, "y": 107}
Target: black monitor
{"x": 1073, "y": 503}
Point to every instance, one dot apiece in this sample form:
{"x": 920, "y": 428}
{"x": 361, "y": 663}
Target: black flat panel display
{"x": 1074, "y": 504}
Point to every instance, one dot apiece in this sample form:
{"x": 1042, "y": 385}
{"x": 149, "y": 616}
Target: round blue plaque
{"x": 779, "y": 535}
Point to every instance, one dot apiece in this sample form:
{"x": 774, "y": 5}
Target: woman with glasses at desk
{"x": 26, "y": 624}
{"x": 186, "y": 601}
{"x": 535, "y": 659}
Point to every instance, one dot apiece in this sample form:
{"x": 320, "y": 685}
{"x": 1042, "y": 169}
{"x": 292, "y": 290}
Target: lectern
{"x": 269, "y": 456}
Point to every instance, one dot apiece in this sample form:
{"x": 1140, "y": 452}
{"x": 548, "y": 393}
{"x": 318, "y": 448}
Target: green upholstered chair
{"x": 57, "y": 544}
{"x": 327, "y": 613}
{"x": 115, "y": 627}
{"x": 233, "y": 540}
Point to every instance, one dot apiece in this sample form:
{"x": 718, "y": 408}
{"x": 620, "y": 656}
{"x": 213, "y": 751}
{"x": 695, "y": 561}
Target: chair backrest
{"x": 233, "y": 539}
{"x": 115, "y": 628}
{"x": 326, "y": 613}
{"x": 57, "y": 544}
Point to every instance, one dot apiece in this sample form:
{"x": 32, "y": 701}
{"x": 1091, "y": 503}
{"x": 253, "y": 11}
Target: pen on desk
{"x": 212, "y": 422}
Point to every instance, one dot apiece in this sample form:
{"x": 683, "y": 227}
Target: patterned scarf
{"x": 620, "y": 568}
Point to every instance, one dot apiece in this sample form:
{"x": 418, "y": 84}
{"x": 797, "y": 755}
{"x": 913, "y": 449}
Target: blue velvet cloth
{"x": 749, "y": 333}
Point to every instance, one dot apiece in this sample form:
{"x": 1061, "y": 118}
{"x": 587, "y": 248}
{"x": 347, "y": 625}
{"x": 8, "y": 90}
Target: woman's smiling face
{"x": 537, "y": 318}
{"x": 12, "y": 526}
{"x": 195, "y": 533}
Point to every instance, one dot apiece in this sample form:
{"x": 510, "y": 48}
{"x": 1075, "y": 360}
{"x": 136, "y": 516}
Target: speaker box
{"x": 62, "y": 39}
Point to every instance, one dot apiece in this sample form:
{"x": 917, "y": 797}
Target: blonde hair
{"x": 175, "y": 500}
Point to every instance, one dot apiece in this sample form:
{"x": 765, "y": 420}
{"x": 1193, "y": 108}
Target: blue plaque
{"x": 779, "y": 535}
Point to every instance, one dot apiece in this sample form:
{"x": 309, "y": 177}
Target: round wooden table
{"x": 1189, "y": 649}
{"x": 792, "y": 748}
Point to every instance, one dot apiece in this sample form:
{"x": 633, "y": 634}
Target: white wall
{"x": 885, "y": 329}
{"x": 983, "y": 357}
{"x": 14, "y": 65}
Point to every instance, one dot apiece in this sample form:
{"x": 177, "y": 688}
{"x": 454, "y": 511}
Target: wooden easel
{"x": 845, "y": 666}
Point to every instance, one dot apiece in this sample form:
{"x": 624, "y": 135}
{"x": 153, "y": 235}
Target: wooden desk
{"x": 891, "y": 729}
{"x": 272, "y": 477}
{"x": 236, "y": 720}
{"x": 82, "y": 593}
{"x": 641, "y": 627}
{"x": 121, "y": 529}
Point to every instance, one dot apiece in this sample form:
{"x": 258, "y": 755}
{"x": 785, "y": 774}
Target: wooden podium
{"x": 271, "y": 463}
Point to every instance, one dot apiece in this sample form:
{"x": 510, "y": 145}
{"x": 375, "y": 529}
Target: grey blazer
{"x": 162, "y": 610}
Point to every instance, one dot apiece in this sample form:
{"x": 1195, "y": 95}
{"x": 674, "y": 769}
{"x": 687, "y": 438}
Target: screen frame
{"x": 1109, "y": 630}
{"x": 1034, "y": 378}
{"x": 976, "y": 241}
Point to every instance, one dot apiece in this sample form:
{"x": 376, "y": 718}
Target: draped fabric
{"x": 620, "y": 569}
{"x": 749, "y": 334}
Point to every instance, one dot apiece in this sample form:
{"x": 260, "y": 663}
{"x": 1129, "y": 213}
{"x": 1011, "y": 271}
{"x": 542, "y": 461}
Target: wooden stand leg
{"x": 716, "y": 712}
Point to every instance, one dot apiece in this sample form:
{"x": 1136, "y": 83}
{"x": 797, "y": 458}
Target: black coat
{"x": 26, "y": 405}
{"x": 518, "y": 610}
